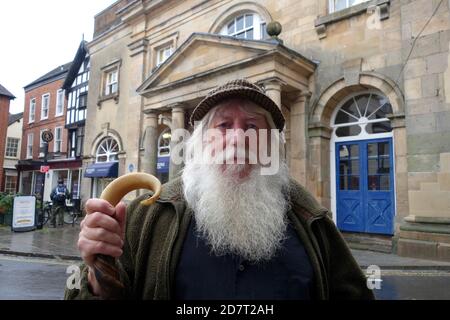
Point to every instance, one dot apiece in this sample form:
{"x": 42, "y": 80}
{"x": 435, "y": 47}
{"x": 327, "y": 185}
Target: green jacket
{"x": 155, "y": 234}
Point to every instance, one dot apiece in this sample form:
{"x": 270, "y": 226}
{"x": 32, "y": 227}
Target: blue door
{"x": 364, "y": 186}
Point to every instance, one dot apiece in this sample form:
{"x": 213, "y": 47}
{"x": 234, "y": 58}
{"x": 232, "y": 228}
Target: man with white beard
{"x": 224, "y": 229}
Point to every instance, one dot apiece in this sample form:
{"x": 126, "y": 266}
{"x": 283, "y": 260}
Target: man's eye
{"x": 252, "y": 126}
{"x": 222, "y": 125}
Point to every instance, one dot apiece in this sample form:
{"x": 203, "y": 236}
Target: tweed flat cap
{"x": 240, "y": 88}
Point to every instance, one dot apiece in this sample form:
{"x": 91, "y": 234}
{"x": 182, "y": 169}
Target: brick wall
{"x": 4, "y": 112}
{"x": 51, "y": 123}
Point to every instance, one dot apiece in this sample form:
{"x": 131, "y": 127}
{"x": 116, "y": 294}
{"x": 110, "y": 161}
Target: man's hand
{"x": 102, "y": 232}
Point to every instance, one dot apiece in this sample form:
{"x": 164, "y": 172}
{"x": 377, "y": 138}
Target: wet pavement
{"x": 58, "y": 242}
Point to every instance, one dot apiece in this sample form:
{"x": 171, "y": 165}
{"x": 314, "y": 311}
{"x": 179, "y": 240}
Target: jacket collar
{"x": 302, "y": 202}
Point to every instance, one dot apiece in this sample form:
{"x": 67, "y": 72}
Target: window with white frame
{"x": 246, "y": 26}
{"x": 12, "y": 147}
{"x": 363, "y": 115}
{"x": 111, "y": 82}
{"x": 41, "y": 143}
{"x": 57, "y": 145}
{"x": 59, "y": 103}
{"x": 336, "y": 5}
{"x": 32, "y": 110}
{"x": 45, "y": 106}
{"x": 30, "y": 145}
{"x": 107, "y": 150}
{"x": 163, "y": 54}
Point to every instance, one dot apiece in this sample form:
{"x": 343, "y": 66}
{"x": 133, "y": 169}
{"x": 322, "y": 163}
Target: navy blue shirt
{"x": 202, "y": 275}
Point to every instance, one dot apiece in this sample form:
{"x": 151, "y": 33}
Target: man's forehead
{"x": 229, "y": 107}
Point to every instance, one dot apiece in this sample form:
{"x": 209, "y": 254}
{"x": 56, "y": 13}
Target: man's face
{"x": 238, "y": 127}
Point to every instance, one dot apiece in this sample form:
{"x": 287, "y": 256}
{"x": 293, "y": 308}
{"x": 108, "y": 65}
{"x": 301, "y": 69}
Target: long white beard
{"x": 245, "y": 218}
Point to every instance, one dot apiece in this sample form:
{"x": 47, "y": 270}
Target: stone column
{"x": 298, "y": 139}
{"x": 177, "y": 123}
{"x": 273, "y": 90}
{"x": 318, "y": 167}
{"x": 151, "y": 143}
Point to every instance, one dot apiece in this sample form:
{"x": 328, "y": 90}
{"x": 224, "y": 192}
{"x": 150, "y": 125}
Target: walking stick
{"x": 105, "y": 269}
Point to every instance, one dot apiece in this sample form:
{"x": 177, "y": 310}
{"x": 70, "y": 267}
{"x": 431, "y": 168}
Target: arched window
{"x": 246, "y": 26}
{"x": 363, "y": 115}
{"x": 164, "y": 143}
{"x": 107, "y": 150}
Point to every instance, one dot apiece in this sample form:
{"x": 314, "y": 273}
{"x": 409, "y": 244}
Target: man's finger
{"x": 99, "y": 205}
{"x": 121, "y": 216}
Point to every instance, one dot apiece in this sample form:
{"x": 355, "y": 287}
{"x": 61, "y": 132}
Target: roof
{"x": 55, "y": 74}
{"x": 76, "y": 64}
{"x": 14, "y": 117}
{"x": 6, "y": 93}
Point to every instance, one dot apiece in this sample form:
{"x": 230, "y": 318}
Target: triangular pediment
{"x": 205, "y": 53}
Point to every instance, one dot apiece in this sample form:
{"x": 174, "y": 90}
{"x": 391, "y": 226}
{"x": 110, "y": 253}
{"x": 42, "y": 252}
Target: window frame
{"x": 56, "y": 141}
{"x": 332, "y": 5}
{"x": 107, "y": 153}
{"x": 42, "y": 106}
{"x": 109, "y": 84}
{"x": 8, "y": 140}
{"x": 59, "y": 101}
{"x": 82, "y": 97}
{"x": 107, "y": 69}
{"x": 41, "y": 143}
{"x": 29, "y": 153}
{"x": 7, "y": 188}
{"x": 257, "y": 26}
{"x": 32, "y": 111}
{"x": 162, "y": 49}
{"x": 361, "y": 122}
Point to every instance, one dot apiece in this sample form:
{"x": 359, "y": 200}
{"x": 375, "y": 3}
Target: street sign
{"x": 47, "y": 136}
{"x": 44, "y": 169}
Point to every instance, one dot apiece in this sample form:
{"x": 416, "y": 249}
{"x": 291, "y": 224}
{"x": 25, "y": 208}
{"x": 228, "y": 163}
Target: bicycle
{"x": 47, "y": 212}
{"x": 72, "y": 213}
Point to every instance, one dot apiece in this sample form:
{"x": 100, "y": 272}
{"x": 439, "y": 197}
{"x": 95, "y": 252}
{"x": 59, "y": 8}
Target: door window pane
{"x": 379, "y": 166}
{"x": 349, "y": 167}
{"x": 349, "y": 182}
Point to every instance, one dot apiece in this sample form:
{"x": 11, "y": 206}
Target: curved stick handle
{"x": 105, "y": 269}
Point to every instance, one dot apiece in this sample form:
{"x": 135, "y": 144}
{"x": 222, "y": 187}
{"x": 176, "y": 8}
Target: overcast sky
{"x": 38, "y": 36}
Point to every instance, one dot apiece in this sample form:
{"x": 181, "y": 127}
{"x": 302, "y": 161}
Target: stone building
{"x": 364, "y": 85}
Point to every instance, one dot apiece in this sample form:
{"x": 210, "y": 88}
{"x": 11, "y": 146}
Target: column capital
{"x": 177, "y": 107}
{"x": 273, "y": 83}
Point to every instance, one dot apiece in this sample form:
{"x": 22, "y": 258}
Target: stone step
{"x": 371, "y": 242}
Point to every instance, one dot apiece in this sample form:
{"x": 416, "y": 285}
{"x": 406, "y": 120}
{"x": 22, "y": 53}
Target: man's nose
{"x": 237, "y": 132}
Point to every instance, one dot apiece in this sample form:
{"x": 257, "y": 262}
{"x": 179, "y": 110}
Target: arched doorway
{"x": 362, "y": 164}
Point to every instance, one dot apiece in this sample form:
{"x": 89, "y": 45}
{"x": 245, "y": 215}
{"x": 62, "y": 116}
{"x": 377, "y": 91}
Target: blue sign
{"x": 162, "y": 165}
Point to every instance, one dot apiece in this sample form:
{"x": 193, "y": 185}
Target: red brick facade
{"x": 51, "y": 123}
{"x": 4, "y": 113}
